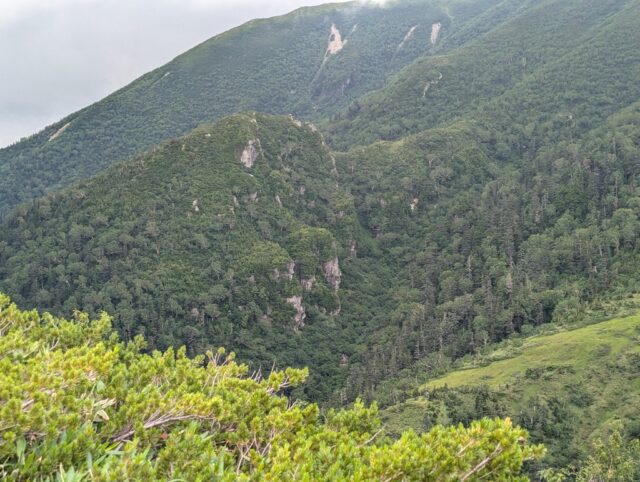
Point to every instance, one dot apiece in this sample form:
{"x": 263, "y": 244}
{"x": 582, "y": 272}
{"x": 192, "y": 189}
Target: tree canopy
{"x": 78, "y": 404}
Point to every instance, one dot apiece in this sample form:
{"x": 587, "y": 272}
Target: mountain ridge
{"x": 235, "y": 71}
{"x": 420, "y": 188}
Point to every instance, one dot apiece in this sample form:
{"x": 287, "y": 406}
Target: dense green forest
{"x": 482, "y": 249}
{"x": 568, "y": 387}
{"x": 431, "y": 184}
{"x": 188, "y": 244}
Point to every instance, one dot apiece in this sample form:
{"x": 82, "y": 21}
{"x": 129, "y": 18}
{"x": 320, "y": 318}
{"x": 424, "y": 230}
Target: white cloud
{"x": 12, "y": 10}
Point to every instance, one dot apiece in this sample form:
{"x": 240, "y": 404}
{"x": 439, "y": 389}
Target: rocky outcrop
{"x": 332, "y": 273}
{"x": 308, "y": 283}
{"x": 57, "y": 133}
{"x": 353, "y": 250}
{"x": 291, "y": 269}
{"x": 301, "y": 314}
{"x": 250, "y": 153}
{"x": 406, "y": 37}
{"x": 430, "y": 83}
{"x": 335, "y": 41}
{"x": 435, "y": 32}
{"x": 334, "y": 168}
{"x": 288, "y": 274}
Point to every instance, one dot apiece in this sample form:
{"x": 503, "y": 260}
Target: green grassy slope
{"x": 578, "y": 351}
{"x": 565, "y": 387}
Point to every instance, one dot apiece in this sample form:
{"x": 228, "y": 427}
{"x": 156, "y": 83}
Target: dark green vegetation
{"x": 554, "y": 71}
{"x": 566, "y": 388}
{"x": 475, "y": 189}
{"x": 186, "y": 244}
{"x": 491, "y": 248}
{"x": 279, "y": 66}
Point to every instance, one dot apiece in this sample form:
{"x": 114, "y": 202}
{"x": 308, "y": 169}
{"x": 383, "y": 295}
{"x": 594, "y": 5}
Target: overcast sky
{"x": 57, "y": 56}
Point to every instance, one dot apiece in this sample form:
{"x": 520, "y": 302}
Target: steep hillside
{"x": 566, "y": 388}
{"x": 482, "y": 249}
{"x": 236, "y": 234}
{"x": 554, "y": 59}
{"x": 308, "y": 63}
{"x": 397, "y": 198}
{"x": 504, "y": 216}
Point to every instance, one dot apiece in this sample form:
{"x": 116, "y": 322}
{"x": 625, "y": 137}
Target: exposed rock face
{"x": 301, "y": 314}
{"x": 288, "y": 274}
{"x": 435, "y": 32}
{"x": 353, "y": 250}
{"x": 250, "y": 153}
{"x": 335, "y": 41}
{"x": 407, "y": 37}
{"x": 295, "y": 121}
{"x": 428, "y": 86}
{"x": 291, "y": 269}
{"x": 334, "y": 169}
{"x": 57, "y": 133}
{"x": 309, "y": 283}
{"x": 332, "y": 273}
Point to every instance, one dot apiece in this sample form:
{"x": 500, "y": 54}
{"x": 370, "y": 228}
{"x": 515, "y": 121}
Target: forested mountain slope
{"x": 482, "y": 248}
{"x": 566, "y": 388}
{"x": 308, "y": 63}
{"x": 236, "y": 234}
{"x": 472, "y": 173}
{"x": 314, "y": 62}
{"x": 442, "y": 249}
{"x": 553, "y": 60}
{"x": 516, "y": 207}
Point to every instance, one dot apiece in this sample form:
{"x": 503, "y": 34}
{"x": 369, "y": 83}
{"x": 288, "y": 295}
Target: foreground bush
{"x": 77, "y": 404}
